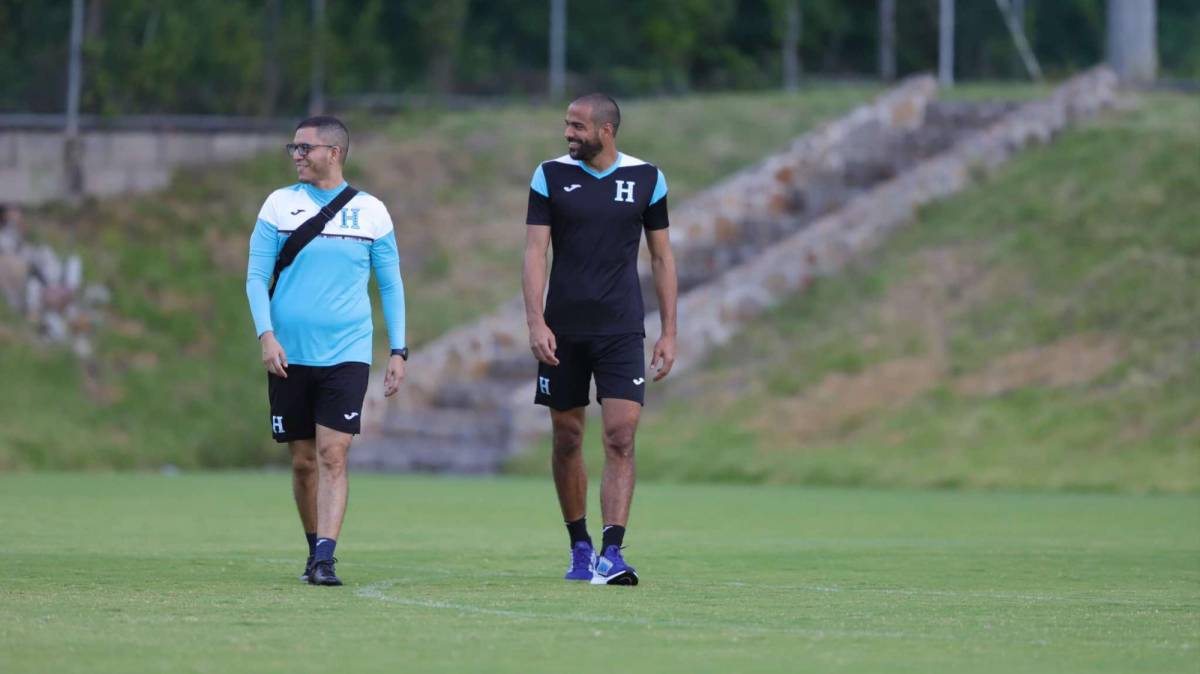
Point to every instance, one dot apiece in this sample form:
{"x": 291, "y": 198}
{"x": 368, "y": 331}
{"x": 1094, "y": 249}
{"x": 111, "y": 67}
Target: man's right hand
{"x": 543, "y": 344}
{"x": 273, "y": 356}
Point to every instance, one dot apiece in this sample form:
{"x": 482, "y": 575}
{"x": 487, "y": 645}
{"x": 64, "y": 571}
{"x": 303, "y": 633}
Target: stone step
{"x": 482, "y": 394}
{"x": 870, "y": 159}
{"x": 833, "y": 195}
{"x": 437, "y": 440}
{"x": 388, "y": 455}
{"x": 516, "y": 367}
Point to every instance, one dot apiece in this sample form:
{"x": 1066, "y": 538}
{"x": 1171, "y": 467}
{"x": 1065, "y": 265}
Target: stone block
{"x": 148, "y": 179}
{"x": 99, "y": 181}
{"x": 187, "y": 149}
{"x": 17, "y": 186}
{"x": 38, "y": 150}
{"x": 232, "y": 146}
{"x": 8, "y": 149}
{"x": 130, "y": 149}
{"x": 96, "y": 150}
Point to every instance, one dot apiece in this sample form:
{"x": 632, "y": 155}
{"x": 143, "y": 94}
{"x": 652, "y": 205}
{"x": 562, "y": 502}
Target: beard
{"x": 588, "y": 148}
{"x": 314, "y": 172}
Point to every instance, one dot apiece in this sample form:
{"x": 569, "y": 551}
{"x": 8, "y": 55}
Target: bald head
{"x": 604, "y": 110}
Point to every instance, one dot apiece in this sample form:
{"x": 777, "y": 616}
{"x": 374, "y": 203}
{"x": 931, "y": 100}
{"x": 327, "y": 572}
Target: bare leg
{"x": 566, "y": 462}
{"x": 304, "y": 481}
{"x": 332, "y": 485}
{"x": 616, "y": 490}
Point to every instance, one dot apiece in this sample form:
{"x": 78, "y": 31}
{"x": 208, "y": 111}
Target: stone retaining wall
{"x": 712, "y": 312}
{"x": 715, "y": 312}
{"x": 114, "y": 161}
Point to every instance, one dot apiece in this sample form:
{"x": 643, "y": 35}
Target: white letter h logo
{"x": 625, "y": 191}
{"x": 544, "y": 385}
{"x": 277, "y": 424}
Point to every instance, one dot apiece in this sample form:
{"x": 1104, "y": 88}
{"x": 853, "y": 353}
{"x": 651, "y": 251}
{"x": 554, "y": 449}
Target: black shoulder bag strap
{"x": 306, "y": 232}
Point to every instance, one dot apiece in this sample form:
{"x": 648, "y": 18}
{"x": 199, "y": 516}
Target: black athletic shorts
{"x": 618, "y": 362}
{"x": 331, "y": 396}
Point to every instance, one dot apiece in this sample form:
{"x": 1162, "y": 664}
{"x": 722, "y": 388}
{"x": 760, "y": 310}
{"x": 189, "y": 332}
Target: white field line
{"x": 1109, "y": 596}
{"x": 378, "y": 592}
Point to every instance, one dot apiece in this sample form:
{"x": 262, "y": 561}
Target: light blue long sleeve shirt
{"x": 321, "y": 310}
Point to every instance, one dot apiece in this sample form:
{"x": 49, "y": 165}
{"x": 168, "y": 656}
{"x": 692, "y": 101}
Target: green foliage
{"x": 243, "y": 57}
{"x": 119, "y": 574}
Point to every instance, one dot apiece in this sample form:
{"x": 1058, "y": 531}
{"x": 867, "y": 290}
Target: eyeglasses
{"x": 302, "y": 148}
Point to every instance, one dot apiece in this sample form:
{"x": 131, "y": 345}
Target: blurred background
{"x": 264, "y": 58}
{"x": 1038, "y": 329}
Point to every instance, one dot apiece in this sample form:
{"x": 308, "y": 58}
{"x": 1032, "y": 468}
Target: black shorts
{"x": 618, "y": 362}
{"x": 331, "y": 396}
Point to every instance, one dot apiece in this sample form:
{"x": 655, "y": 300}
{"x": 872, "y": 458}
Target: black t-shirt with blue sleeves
{"x": 596, "y": 222}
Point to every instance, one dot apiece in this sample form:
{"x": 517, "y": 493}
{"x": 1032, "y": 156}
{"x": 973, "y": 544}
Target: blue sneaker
{"x": 611, "y": 569}
{"x": 583, "y": 560}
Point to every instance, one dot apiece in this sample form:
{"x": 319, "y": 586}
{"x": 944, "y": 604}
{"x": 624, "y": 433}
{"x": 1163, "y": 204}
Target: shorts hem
{"x": 343, "y": 429}
{"x": 600, "y": 399}
{"x": 293, "y": 438}
{"x": 560, "y": 408}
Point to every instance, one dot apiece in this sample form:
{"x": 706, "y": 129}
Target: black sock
{"x": 312, "y": 542}
{"x": 578, "y": 531}
{"x": 613, "y": 535}
{"x": 324, "y": 549}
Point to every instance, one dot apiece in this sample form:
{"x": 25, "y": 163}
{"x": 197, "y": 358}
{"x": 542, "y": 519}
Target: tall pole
{"x": 1017, "y": 29}
{"x": 946, "y": 43}
{"x": 270, "y": 91}
{"x": 72, "y": 161}
{"x": 887, "y": 40}
{"x": 316, "y": 95}
{"x": 791, "y": 47}
{"x": 1132, "y": 46}
{"x": 558, "y": 48}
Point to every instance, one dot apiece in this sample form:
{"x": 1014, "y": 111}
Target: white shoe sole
{"x": 622, "y": 578}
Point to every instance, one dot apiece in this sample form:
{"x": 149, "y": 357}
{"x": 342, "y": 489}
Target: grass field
{"x": 197, "y": 573}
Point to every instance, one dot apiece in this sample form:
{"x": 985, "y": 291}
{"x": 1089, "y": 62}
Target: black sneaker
{"x": 323, "y": 574}
{"x": 308, "y": 565}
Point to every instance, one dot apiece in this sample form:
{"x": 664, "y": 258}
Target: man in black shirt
{"x": 592, "y": 205}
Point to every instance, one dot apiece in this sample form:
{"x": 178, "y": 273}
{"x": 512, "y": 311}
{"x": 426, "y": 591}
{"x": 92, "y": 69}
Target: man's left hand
{"x": 395, "y": 375}
{"x": 664, "y": 356}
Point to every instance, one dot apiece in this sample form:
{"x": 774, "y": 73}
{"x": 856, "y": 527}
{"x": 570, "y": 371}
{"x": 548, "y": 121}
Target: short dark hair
{"x": 604, "y": 109}
{"x": 332, "y": 129}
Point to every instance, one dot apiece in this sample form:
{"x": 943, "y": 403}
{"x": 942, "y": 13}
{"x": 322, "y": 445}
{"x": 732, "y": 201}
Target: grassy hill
{"x": 177, "y": 380}
{"x": 1041, "y": 330}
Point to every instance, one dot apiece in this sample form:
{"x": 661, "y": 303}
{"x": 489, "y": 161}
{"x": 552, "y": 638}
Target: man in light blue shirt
{"x": 315, "y": 329}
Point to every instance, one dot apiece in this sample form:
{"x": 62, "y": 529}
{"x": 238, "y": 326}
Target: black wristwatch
{"x": 403, "y": 353}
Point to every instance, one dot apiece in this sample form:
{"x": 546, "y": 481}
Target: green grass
{"x": 197, "y": 573}
{"x": 1068, "y": 279}
{"x": 176, "y": 379}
